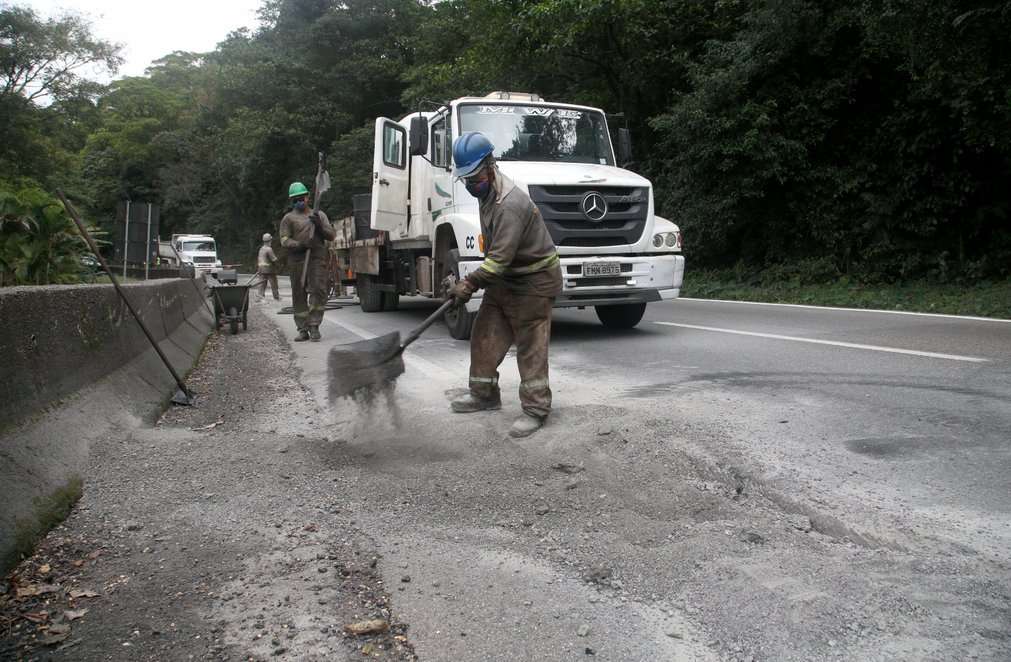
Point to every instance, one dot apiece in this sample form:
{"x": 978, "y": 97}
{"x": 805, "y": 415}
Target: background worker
{"x": 265, "y": 268}
{"x": 304, "y": 233}
{"x": 520, "y": 276}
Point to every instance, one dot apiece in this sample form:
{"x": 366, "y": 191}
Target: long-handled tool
{"x": 322, "y": 186}
{"x": 183, "y": 396}
{"x": 373, "y": 363}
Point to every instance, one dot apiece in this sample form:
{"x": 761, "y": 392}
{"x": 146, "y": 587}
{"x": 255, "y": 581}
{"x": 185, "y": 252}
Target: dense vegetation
{"x": 867, "y": 138}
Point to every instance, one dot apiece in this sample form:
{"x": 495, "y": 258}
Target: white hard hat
{"x": 267, "y": 237}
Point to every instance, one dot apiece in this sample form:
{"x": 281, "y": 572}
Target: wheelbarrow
{"x": 231, "y": 304}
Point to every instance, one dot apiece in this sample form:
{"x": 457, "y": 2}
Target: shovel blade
{"x": 364, "y": 365}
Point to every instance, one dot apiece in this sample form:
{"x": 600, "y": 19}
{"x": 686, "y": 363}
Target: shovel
{"x": 373, "y": 363}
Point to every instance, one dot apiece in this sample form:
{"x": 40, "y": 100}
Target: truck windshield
{"x": 198, "y": 245}
{"x": 540, "y": 133}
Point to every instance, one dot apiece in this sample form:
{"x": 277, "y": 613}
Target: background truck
{"x": 198, "y": 250}
{"x": 419, "y": 230}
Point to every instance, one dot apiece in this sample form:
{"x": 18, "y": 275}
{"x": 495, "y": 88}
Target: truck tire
{"x": 460, "y": 322}
{"x": 622, "y": 316}
{"x": 370, "y": 298}
{"x": 391, "y": 301}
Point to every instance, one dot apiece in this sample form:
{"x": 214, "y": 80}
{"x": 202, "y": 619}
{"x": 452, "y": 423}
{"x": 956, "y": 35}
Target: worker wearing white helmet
{"x": 265, "y": 270}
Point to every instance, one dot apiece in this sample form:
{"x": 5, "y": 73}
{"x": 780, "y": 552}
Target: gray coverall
{"x": 303, "y": 242}
{"x": 265, "y": 260}
{"x": 521, "y": 277}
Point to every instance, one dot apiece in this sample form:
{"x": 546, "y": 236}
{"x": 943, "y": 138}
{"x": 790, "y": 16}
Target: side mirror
{"x": 419, "y": 136}
{"x": 624, "y": 147}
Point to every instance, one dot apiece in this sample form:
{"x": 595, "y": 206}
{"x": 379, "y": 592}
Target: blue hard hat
{"x": 469, "y": 152}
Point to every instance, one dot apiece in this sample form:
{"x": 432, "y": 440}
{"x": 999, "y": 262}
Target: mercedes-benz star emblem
{"x": 594, "y": 207}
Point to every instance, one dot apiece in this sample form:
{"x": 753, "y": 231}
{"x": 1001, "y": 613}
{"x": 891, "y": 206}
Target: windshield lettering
{"x": 540, "y": 133}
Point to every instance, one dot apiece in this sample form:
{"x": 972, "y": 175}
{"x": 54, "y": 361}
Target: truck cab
{"x": 198, "y": 250}
{"x": 616, "y": 254}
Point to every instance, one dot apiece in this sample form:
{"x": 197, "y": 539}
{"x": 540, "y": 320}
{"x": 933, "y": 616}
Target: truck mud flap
{"x": 365, "y": 260}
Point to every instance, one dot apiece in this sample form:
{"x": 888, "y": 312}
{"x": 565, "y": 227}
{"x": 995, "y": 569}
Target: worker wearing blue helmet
{"x": 520, "y": 276}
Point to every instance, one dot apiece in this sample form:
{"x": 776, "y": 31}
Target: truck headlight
{"x": 657, "y": 241}
{"x": 672, "y": 240}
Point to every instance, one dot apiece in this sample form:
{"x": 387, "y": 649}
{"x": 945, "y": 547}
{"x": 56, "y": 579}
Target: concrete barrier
{"x": 75, "y": 366}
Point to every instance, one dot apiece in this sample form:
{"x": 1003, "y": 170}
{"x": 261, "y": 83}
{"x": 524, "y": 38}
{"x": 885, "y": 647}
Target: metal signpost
{"x": 126, "y": 239}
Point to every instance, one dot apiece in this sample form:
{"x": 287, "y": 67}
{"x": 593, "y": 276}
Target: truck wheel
{"x": 371, "y": 299}
{"x": 391, "y": 301}
{"x": 623, "y": 316}
{"x": 460, "y": 322}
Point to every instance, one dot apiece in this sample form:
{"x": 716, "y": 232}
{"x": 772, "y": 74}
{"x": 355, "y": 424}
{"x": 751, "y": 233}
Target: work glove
{"x": 316, "y": 220}
{"x": 461, "y": 291}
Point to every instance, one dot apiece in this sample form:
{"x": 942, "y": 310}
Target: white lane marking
{"x": 851, "y": 310}
{"x": 833, "y": 343}
{"x": 423, "y": 364}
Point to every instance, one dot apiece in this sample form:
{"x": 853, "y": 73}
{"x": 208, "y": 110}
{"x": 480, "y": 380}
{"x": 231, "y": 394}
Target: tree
{"x": 41, "y": 59}
{"x": 39, "y": 244}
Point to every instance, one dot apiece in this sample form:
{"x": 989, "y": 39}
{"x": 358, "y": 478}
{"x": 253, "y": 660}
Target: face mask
{"x": 478, "y": 189}
{"x": 300, "y": 205}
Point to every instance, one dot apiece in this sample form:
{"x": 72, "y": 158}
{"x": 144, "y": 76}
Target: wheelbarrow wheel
{"x": 233, "y": 320}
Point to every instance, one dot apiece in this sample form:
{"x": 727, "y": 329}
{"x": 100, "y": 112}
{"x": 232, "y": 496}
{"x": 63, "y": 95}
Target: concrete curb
{"x": 76, "y": 368}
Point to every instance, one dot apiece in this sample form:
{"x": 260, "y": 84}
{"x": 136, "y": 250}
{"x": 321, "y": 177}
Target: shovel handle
{"x": 429, "y": 321}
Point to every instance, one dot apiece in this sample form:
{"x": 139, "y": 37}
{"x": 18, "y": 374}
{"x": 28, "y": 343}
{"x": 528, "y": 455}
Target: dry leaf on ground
{"x": 374, "y": 626}
{"x": 82, "y": 593}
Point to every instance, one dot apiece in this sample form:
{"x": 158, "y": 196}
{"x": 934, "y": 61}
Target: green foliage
{"x": 798, "y": 137}
{"x": 39, "y": 244}
{"x": 980, "y": 298}
{"x": 40, "y": 59}
{"x": 877, "y": 137}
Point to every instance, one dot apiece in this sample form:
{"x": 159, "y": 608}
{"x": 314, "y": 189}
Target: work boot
{"x": 467, "y": 404}
{"x": 302, "y": 336}
{"x": 525, "y": 425}
{"x": 314, "y": 333}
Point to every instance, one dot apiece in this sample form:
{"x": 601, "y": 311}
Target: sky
{"x": 150, "y": 29}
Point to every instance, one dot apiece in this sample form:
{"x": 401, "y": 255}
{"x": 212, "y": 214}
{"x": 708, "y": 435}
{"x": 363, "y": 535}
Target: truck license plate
{"x": 602, "y": 269}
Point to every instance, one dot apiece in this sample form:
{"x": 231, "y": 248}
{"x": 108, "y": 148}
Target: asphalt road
{"x": 698, "y": 440}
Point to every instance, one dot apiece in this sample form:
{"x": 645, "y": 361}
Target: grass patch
{"x": 48, "y": 512}
{"x": 984, "y": 299}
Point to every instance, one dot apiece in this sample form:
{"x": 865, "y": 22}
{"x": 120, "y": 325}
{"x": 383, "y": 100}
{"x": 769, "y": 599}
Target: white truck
{"x": 423, "y": 231}
{"x": 198, "y": 250}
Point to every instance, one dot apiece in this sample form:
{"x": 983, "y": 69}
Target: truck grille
{"x": 200, "y": 259}
{"x": 601, "y": 281}
{"x": 623, "y": 224}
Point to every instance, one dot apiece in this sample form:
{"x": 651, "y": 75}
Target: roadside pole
{"x": 126, "y": 238}
{"x": 147, "y": 246}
